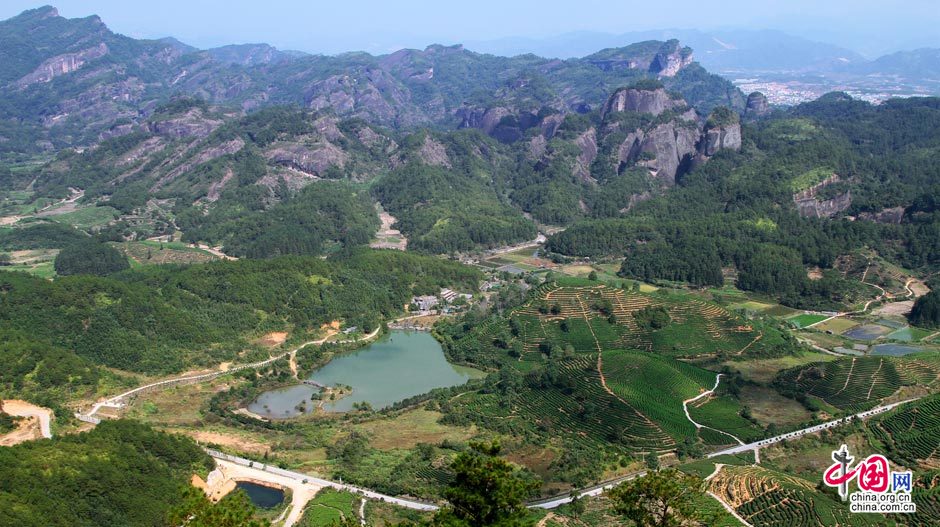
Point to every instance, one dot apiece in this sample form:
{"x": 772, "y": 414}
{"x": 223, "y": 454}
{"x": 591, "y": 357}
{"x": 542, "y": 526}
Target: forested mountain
{"x": 64, "y": 82}
{"x": 809, "y": 185}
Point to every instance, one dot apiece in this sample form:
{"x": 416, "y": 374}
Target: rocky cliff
{"x": 674, "y": 141}
{"x": 757, "y": 105}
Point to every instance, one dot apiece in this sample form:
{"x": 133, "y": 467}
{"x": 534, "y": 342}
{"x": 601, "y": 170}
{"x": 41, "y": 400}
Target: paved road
{"x": 811, "y": 430}
{"x": 301, "y": 477}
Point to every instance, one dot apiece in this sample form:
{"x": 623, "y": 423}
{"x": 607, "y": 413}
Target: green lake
{"x": 398, "y": 366}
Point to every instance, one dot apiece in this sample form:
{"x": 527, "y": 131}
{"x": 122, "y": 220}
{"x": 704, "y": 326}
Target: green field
{"x": 806, "y": 319}
{"x": 912, "y": 432}
{"x": 837, "y": 326}
{"x": 329, "y": 507}
{"x": 598, "y": 377}
{"x": 770, "y": 498}
{"x": 88, "y": 217}
{"x": 909, "y": 334}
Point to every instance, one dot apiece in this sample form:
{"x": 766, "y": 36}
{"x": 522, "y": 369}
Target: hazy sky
{"x": 338, "y": 25}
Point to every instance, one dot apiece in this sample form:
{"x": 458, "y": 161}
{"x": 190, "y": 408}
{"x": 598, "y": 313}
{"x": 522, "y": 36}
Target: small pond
{"x": 398, "y": 366}
{"x": 262, "y": 496}
{"x": 894, "y": 350}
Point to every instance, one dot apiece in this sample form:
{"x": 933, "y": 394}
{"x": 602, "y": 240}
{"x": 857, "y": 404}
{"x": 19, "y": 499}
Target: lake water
{"x": 262, "y": 496}
{"x": 398, "y": 366}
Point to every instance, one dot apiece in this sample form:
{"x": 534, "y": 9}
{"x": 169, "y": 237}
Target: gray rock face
{"x": 308, "y": 160}
{"x": 665, "y": 149}
{"x": 725, "y": 137}
{"x": 653, "y": 102}
{"x": 62, "y": 65}
{"x": 757, "y": 105}
{"x": 433, "y": 153}
{"x": 813, "y": 208}
{"x": 192, "y": 124}
{"x": 670, "y": 59}
{"x": 587, "y": 143}
{"x": 891, "y": 215}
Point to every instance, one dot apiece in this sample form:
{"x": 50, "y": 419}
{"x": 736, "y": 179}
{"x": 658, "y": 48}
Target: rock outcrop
{"x": 642, "y": 100}
{"x": 191, "y": 124}
{"x": 669, "y": 148}
{"x": 671, "y": 58}
{"x": 722, "y": 132}
{"x": 892, "y": 215}
{"x": 313, "y": 161}
{"x": 62, "y": 65}
{"x": 757, "y": 105}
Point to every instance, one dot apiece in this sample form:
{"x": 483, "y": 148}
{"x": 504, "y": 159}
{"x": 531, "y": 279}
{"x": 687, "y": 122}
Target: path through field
{"x": 685, "y": 408}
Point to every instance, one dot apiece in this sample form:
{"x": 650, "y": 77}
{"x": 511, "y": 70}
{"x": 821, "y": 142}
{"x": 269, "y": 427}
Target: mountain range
{"x": 66, "y": 82}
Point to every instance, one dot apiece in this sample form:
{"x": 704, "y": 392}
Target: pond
{"x": 398, "y": 366}
{"x": 262, "y": 496}
{"x": 867, "y": 332}
{"x": 894, "y": 350}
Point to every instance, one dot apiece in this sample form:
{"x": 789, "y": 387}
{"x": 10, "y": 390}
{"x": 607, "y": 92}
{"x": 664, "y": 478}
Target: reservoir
{"x": 263, "y": 497}
{"x": 398, "y": 366}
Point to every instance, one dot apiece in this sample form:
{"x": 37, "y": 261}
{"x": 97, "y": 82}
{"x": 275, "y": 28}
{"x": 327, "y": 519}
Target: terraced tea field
{"x": 858, "y": 383}
{"x": 912, "y": 433}
{"x": 769, "y": 498}
{"x": 596, "y": 375}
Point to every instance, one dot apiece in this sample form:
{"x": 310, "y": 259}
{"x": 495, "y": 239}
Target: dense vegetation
{"x": 90, "y": 257}
{"x": 305, "y": 223}
{"x": 164, "y": 318}
{"x": 926, "y": 310}
{"x": 120, "y": 473}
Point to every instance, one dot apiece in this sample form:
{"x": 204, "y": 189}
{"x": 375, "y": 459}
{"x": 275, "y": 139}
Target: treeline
{"x": 168, "y": 318}
{"x": 120, "y": 473}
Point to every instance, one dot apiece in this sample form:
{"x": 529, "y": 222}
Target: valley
{"x": 244, "y": 287}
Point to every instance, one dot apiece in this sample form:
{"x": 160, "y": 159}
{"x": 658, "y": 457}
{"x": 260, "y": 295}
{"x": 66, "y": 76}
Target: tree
{"x": 926, "y": 311}
{"x": 486, "y": 491}
{"x": 90, "y": 257}
{"x": 652, "y": 461}
{"x": 659, "y": 499}
{"x": 235, "y": 510}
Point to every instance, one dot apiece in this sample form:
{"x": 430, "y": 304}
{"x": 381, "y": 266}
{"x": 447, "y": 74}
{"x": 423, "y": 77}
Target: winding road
{"x": 118, "y": 400}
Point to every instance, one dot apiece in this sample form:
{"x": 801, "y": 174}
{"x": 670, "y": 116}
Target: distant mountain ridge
{"x": 66, "y": 82}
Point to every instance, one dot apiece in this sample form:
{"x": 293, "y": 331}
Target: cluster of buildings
{"x": 440, "y": 302}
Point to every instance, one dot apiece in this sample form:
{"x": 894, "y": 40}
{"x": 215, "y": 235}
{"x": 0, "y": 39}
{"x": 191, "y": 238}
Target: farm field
{"x": 912, "y": 433}
{"x": 597, "y": 375}
{"x": 858, "y": 383}
{"x": 330, "y": 507}
{"x": 88, "y": 217}
{"x": 770, "y": 498}
{"x": 155, "y": 253}
{"x": 837, "y": 325}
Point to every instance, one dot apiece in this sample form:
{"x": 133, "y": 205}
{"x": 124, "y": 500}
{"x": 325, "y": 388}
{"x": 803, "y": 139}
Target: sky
{"x": 333, "y": 26}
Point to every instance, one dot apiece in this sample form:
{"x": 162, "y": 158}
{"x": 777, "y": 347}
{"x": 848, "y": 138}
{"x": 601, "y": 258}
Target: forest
{"x": 120, "y": 473}
{"x": 161, "y": 319}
